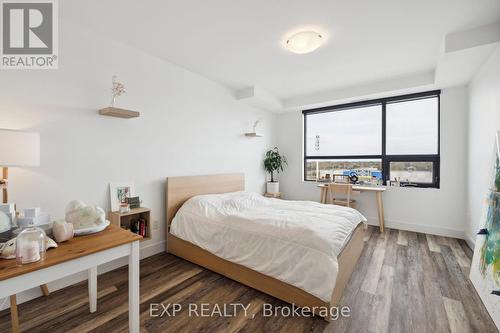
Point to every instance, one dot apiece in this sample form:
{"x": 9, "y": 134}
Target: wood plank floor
{"x": 404, "y": 282}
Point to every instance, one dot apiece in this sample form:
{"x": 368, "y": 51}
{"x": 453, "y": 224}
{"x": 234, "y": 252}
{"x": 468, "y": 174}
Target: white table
{"x": 79, "y": 254}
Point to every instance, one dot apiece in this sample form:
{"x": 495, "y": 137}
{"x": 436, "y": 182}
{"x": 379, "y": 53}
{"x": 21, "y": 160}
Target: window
{"x": 412, "y": 127}
{"x": 345, "y": 132}
{"x": 322, "y": 169}
{"x": 388, "y": 139}
{"x": 412, "y": 172}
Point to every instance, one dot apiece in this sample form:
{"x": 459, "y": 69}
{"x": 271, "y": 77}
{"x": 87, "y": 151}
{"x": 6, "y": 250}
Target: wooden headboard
{"x": 180, "y": 189}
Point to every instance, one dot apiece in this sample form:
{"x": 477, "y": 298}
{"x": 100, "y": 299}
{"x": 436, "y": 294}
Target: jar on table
{"x": 30, "y": 245}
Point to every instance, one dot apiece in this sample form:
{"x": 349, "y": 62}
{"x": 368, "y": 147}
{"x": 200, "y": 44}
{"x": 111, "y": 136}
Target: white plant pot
{"x": 273, "y": 187}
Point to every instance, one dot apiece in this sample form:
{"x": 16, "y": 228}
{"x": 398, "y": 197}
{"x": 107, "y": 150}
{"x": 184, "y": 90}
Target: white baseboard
{"x": 152, "y": 249}
{"x": 146, "y": 251}
{"x": 471, "y": 240}
{"x": 423, "y": 228}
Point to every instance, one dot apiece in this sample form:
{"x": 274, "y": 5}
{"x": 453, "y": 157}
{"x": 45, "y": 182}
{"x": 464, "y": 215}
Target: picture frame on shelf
{"x": 134, "y": 202}
{"x": 119, "y": 192}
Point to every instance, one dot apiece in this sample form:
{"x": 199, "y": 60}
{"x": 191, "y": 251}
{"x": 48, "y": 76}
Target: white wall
{"x": 188, "y": 125}
{"x": 484, "y": 122}
{"x": 437, "y": 211}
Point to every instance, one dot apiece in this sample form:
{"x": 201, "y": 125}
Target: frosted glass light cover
{"x": 30, "y": 245}
{"x": 304, "y": 42}
{"x": 19, "y": 148}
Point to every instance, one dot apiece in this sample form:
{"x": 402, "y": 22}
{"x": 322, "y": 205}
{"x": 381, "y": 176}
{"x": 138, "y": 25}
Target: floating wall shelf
{"x": 119, "y": 113}
{"x": 254, "y": 135}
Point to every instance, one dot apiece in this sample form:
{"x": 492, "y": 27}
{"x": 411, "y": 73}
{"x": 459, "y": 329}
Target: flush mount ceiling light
{"x": 304, "y": 42}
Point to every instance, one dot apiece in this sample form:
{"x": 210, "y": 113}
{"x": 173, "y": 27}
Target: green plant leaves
{"x": 274, "y": 161}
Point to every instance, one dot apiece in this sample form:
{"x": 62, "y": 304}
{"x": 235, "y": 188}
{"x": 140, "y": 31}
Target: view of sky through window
{"x": 412, "y": 127}
{"x": 345, "y": 132}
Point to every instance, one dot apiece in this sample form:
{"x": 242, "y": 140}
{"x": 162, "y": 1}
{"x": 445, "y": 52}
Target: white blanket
{"x": 293, "y": 241}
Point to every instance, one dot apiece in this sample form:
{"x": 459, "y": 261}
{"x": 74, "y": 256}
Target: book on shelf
{"x": 139, "y": 227}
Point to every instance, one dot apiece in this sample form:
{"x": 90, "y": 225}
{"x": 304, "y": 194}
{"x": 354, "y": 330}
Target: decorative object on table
{"x": 124, "y": 208}
{"x": 138, "y": 221}
{"x": 485, "y": 268}
{"x": 17, "y": 149}
{"x": 85, "y": 219}
{"x": 134, "y": 202}
{"x": 254, "y": 133}
{"x": 119, "y": 193}
{"x": 30, "y": 245}
{"x": 353, "y": 177}
{"x": 8, "y": 250}
{"x": 377, "y": 181}
{"x": 62, "y": 231}
{"x": 274, "y": 162}
{"x": 91, "y": 230}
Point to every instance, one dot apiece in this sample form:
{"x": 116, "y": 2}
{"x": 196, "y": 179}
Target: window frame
{"x": 385, "y": 158}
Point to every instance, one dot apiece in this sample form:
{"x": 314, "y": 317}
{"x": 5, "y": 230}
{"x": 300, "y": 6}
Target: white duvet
{"x": 293, "y": 241}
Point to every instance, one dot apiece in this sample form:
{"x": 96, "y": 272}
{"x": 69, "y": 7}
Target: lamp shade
{"x": 19, "y": 148}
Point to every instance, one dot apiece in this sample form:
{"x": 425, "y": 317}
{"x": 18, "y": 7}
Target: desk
{"x": 378, "y": 190}
{"x": 76, "y": 255}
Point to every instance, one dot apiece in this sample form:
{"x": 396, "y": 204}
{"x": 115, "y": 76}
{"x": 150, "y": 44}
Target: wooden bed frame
{"x": 180, "y": 189}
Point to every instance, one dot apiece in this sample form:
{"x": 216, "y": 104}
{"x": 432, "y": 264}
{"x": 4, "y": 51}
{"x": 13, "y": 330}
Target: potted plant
{"x": 274, "y": 162}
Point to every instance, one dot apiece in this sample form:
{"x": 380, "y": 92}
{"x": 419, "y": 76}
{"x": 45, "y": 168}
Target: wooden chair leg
{"x": 14, "y": 318}
{"x": 14, "y": 314}
{"x": 45, "y": 290}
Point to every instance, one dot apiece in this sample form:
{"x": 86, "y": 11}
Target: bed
{"x": 205, "y": 238}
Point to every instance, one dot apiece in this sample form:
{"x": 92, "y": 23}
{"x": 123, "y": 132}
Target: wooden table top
{"x": 361, "y": 188}
{"x": 77, "y": 247}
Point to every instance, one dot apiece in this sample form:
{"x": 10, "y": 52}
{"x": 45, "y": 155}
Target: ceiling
{"x": 239, "y": 44}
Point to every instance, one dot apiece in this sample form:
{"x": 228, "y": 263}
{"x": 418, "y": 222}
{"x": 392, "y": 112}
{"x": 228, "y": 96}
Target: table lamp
{"x": 17, "y": 149}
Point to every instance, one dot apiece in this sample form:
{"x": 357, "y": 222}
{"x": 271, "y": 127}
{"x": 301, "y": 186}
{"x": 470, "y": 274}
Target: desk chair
{"x": 340, "y": 194}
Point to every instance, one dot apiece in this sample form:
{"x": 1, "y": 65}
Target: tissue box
{"x": 8, "y": 208}
{"x": 42, "y": 218}
{"x": 32, "y": 212}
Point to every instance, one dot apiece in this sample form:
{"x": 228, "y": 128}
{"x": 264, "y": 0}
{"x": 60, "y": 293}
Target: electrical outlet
{"x": 155, "y": 225}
